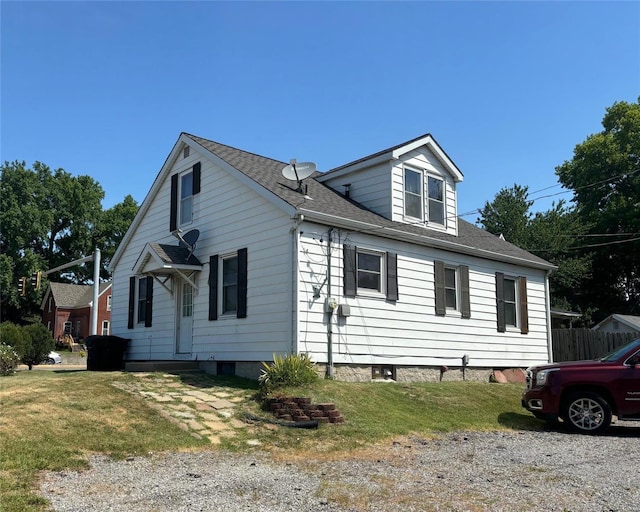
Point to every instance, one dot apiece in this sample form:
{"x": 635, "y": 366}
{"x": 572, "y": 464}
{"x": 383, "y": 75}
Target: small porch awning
{"x": 163, "y": 261}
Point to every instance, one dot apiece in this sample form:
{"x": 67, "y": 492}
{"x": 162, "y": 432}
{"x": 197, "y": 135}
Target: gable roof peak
{"x": 397, "y": 151}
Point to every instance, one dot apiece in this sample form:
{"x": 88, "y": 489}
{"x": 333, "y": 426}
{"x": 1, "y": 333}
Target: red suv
{"x": 586, "y": 394}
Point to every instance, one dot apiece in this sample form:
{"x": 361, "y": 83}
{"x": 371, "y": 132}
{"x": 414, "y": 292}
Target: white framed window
{"x": 435, "y": 193}
{"x": 142, "y": 299}
{"x": 413, "y": 191}
{"x": 370, "y": 271}
{"x": 105, "y": 328}
{"x": 187, "y": 300}
{"x": 67, "y": 328}
{"x": 229, "y": 288}
{"x": 510, "y": 303}
{"x": 50, "y": 303}
{"x": 186, "y": 198}
{"x": 109, "y": 303}
{"x": 451, "y": 288}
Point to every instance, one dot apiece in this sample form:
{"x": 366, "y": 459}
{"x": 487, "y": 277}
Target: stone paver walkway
{"x": 191, "y": 402}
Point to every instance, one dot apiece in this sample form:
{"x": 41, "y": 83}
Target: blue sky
{"x": 507, "y": 88}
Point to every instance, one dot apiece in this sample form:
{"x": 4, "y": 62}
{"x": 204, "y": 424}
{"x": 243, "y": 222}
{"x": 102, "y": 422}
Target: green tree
{"x": 49, "y": 218}
{"x": 550, "y": 235}
{"x": 604, "y": 175}
{"x": 508, "y": 215}
{"x": 112, "y": 226}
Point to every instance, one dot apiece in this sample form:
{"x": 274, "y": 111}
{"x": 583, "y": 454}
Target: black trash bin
{"x": 105, "y": 353}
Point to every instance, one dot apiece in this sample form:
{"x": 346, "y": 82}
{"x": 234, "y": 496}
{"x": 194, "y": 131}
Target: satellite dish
{"x": 298, "y": 171}
{"x": 190, "y": 238}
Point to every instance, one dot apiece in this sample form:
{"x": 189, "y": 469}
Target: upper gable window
{"x": 186, "y": 198}
{"x": 184, "y": 188}
{"x": 436, "y": 200}
{"x": 413, "y": 193}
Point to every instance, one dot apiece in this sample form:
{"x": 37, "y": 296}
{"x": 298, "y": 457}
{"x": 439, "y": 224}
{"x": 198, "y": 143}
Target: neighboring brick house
{"x": 66, "y": 309}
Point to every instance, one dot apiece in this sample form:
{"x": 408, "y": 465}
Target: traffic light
{"x": 35, "y": 280}
{"x": 22, "y": 285}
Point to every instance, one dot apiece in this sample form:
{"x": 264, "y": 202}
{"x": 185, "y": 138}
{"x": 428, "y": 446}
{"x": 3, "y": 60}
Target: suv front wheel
{"x": 586, "y": 412}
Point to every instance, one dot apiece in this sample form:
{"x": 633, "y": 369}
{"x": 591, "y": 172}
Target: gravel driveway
{"x": 492, "y": 471}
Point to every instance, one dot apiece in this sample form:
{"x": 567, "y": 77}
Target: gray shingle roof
{"x": 267, "y": 172}
{"x": 175, "y": 254}
{"x": 68, "y": 295}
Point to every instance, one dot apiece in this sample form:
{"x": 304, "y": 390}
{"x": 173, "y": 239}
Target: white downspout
{"x": 547, "y": 298}
{"x": 294, "y": 282}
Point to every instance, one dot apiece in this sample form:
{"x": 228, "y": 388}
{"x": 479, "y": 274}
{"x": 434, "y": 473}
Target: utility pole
{"x": 95, "y": 257}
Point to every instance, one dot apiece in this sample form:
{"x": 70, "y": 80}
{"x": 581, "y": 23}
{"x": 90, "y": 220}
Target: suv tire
{"x": 586, "y": 412}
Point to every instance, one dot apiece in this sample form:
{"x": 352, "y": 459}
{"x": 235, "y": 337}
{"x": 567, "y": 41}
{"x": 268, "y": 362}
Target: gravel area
{"x": 489, "y": 471}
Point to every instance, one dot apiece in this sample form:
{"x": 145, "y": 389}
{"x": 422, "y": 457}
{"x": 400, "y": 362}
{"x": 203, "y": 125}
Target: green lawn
{"x": 50, "y": 420}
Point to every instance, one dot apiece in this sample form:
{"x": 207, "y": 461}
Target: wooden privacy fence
{"x": 578, "y": 344}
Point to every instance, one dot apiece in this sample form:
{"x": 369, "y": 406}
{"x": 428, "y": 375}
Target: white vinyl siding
{"x": 408, "y": 332}
{"x": 370, "y": 187}
{"x": 230, "y": 216}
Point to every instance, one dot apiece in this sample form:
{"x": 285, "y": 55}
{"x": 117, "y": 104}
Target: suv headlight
{"x": 543, "y": 376}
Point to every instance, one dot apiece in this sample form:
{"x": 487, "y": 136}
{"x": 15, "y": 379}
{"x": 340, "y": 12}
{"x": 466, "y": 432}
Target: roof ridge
{"x": 195, "y": 137}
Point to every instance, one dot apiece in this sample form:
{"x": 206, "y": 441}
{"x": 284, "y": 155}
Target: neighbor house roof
{"x": 322, "y": 204}
{"x": 632, "y": 322}
{"x": 73, "y": 296}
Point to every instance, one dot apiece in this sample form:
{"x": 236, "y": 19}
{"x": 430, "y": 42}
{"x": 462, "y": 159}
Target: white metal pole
{"x": 96, "y": 291}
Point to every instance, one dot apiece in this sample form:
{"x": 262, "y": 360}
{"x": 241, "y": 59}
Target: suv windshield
{"x": 612, "y": 356}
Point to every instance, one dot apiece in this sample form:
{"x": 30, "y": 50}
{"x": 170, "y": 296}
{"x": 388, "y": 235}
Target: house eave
{"x": 427, "y": 241}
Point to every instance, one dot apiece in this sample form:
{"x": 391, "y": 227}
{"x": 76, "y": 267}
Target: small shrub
{"x": 39, "y": 345}
{"x": 289, "y": 370}
{"x": 9, "y": 360}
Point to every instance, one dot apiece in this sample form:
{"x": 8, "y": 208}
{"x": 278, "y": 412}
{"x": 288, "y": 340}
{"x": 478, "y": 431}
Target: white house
{"x": 367, "y": 268}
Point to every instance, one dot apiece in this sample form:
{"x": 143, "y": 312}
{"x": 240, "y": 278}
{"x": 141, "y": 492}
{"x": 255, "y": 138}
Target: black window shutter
{"x": 524, "y": 308}
{"x": 242, "y": 283}
{"x": 213, "y": 287}
{"x": 173, "y": 211}
{"x": 148, "y": 302}
{"x": 196, "y": 179}
{"x": 502, "y": 327}
{"x": 441, "y": 303}
{"x": 132, "y": 301}
{"x": 465, "y": 300}
{"x": 392, "y": 276}
{"x": 349, "y": 257}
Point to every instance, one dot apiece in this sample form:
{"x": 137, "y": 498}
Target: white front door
{"x": 184, "y": 318}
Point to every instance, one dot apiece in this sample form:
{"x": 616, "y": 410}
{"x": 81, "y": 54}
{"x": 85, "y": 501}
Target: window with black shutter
{"x": 511, "y": 303}
{"x": 228, "y": 285}
{"x": 452, "y": 289}
{"x": 368, "y": 271}
{"x": 184, "y": 187}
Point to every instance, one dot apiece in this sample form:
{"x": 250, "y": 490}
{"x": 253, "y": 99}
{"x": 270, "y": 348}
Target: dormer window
{"x": 413, "y": 193}
{"x": 436, "y": 200}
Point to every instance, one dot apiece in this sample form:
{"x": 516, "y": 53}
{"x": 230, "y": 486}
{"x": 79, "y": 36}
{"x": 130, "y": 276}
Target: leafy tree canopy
{"x": 549, "y": 235}
{"x": 604, "y": 176}
{"x": 49, "y": 218}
